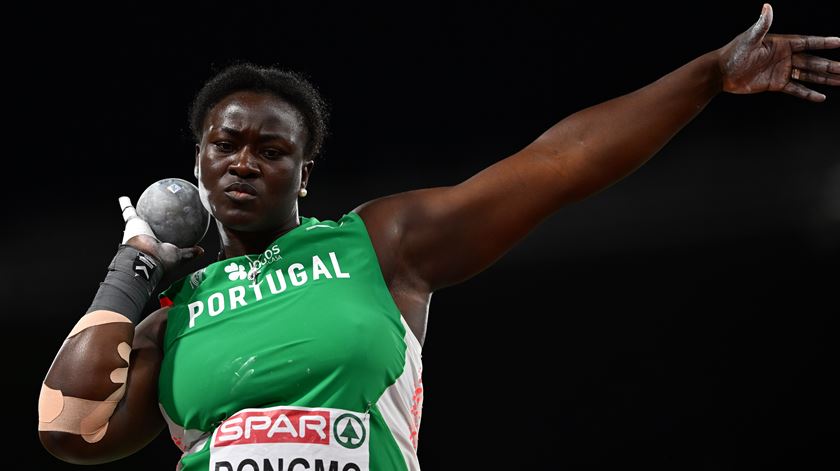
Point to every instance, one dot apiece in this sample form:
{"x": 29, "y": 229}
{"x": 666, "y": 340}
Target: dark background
{"x": 679, "y": 319}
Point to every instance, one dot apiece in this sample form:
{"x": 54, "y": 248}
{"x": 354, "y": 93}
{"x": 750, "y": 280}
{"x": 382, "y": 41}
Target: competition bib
{"x": 291, "y": 438}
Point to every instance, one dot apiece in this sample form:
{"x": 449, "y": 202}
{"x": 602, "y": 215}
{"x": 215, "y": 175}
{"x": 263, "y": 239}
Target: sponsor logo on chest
{"x": 292, "y": 439}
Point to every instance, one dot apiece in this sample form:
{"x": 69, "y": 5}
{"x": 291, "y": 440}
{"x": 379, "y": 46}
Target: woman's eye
{"x": 224, "y": 146}
{"x": 272, "y": 153}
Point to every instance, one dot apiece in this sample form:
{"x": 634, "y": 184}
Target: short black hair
{"x": 287, "y": 85}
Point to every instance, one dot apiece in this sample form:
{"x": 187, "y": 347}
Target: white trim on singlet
{"x": 401, "y": 405}
{"x": 188, "y": 441}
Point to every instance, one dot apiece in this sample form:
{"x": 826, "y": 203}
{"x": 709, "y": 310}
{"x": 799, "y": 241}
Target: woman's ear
{"x": 306, "y": 171}
{"x": 195, "y": 169}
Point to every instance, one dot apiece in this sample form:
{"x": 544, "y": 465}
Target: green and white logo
{"x": 349, "y": 431}
{"x": 235, "y": 271}
{"x": 197, "y": 277}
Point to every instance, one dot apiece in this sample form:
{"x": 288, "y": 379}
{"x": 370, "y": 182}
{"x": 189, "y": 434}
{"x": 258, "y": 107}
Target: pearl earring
{"x": 302, "y": 192}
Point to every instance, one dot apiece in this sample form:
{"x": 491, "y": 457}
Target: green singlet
{"x": 295, "y": 359}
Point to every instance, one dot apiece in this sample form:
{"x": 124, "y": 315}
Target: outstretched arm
{"x": 441, "y": 236}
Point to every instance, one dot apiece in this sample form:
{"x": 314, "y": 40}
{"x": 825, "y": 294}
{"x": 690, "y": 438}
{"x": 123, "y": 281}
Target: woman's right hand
{"x": 169, "y": 255}
{"x": 139, "y": 235}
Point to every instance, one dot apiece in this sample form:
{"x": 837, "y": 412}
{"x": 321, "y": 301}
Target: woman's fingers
{"x": 800, "y": 91}
{"x": 808, "y": 68}
{"x": 762, "y": 26}
{"x": 820, "y": 78}
{"x": 815, "y": 64}
{"x": 798, "y": 43}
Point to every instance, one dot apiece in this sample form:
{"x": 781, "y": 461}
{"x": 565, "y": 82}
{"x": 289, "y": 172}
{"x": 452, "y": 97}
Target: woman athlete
{"x": 300, "y": 348}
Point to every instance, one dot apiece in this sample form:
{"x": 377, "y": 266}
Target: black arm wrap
{"x": 131, "y": 280}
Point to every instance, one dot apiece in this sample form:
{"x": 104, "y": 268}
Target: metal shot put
{"x": 169, "y": 210}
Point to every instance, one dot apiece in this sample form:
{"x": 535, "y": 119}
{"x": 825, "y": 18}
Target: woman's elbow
{"x": 71, "y": 448}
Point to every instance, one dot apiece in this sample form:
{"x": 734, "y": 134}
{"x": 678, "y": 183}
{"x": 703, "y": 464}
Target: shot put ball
{"x": 173, "y": 210}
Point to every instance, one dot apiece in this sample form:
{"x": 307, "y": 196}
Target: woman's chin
{"x": 238, "y": 220}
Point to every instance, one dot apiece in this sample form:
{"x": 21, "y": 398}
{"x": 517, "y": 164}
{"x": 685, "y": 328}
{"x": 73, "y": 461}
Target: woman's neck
{"x": 234, "y": 243}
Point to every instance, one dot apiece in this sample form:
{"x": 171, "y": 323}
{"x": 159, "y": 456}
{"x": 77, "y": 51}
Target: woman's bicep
{"x": 446, "y": 235}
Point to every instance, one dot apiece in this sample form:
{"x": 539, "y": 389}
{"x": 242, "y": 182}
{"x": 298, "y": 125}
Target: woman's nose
{"x": 244, "y": 164}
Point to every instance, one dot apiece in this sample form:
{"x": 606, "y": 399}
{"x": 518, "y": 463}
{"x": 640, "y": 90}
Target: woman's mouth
{"x": 241, "y": 192}
{"x": 240, "y": 195}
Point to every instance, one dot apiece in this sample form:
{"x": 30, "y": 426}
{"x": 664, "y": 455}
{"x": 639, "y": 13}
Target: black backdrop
{"x": 678, "y": 319}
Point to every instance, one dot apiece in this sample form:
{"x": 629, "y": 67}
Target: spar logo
{"x": 292, "y": 438}
{"x": 352, "y": 433}
{"x": 275, "y": 426}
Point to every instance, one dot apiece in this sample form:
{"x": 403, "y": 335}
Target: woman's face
{"x": 249, "y": 164}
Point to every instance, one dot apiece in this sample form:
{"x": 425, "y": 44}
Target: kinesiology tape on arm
{"x": 86, "y": 417}
{"x": 131, "y": 280}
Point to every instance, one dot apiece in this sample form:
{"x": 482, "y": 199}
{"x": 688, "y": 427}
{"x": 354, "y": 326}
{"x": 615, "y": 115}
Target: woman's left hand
{"x": 756, "y": 62}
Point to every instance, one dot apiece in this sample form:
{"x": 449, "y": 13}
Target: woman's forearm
{"x": 599, "y": 145}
